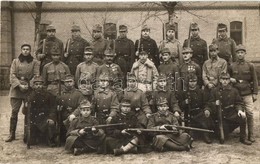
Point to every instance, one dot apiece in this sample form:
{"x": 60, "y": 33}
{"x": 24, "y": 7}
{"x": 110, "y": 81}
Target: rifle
{"x": 188, "y": 128}
{"x": 28, "y": 125}
{"x": 135, "y": 130}
{"x": 59, "y": 109}
{"x": 86, "y": 129}
{"x": 189, "y": 36}
{"x": 220, "y": 120}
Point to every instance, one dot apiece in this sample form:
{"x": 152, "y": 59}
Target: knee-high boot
{"x": 13, "y": 124}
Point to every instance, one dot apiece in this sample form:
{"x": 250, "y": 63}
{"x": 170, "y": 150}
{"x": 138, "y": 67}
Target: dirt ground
{"x": 231, "y": 152}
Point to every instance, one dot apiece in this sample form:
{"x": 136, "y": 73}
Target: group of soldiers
{"x": 114, "y": 96}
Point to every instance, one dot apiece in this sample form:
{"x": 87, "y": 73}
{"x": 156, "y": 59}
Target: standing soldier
{"x": 99, "y": 44}
{"x": 244, "y": 78}
{"x": 125, "y": 51}
{"x": 146, "y": 43}
{"x": 74, "y": 50}
{"x": 146, "y": 73}
{"x": 54, "y": 72}
{"x": 226, "y": 45}
{"x": 43, "y": 52}
{"x": 23, "y": 69}
{"x": 212, "y": 68}
{"x": 172, "y": 44}
{"x": 198, "y": 45}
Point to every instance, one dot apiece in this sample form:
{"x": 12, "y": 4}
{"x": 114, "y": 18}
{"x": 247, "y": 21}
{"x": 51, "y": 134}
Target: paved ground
{"x": 232, "y": 152}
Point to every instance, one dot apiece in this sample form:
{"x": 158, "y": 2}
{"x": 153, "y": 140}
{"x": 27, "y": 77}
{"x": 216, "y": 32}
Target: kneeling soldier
{"x": 80, "y": 140}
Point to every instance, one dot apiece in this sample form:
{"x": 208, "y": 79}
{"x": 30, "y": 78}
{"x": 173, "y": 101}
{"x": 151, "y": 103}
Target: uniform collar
{"x": 172, "y": 40}
{"x": 241, "y": 61}
{"x": 195, "y": 38}
{"x": 100, "y": 90}
{"x": 224, "y": 39}
{"x": 111, "y": 65}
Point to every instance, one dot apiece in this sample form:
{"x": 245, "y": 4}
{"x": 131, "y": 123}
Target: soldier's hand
{"x": 176, "y": 114}
{"x": 148, "y": 115}
{"x": 217, "y": 102}
{"x": 162, "y": 127}
{"x": 233, "y": 80}
{"x": 254, "y": 96}
{"x": 66, "y": 54}
{"x": 241, "y": 114}
{"x": 210, "y": 85}
{"x": 108, "y": 120}
{"x": 137, "y": 53}
{"x": 138, "y": 131}
{"x": 50, "y": 122}
{"x": 94, "y": 130}
{"x": 71, "y": 117}
{"x": 82, "y": 131}
{"x": 207, "y": 113}
{"x": 23, "y": 87}
{"x": 59, "y": 108}
{"x": 187, "y": 101}
{"x": 40, "y": 56}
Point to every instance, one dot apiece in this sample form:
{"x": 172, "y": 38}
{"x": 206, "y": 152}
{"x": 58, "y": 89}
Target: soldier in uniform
{"x": 233, "y": 114}
{"x": 88, "y": 69}
{"x": 23, "y": 69}
{"x": 99, "y": 44}
{"x": 74, "y": 50}
{"x": 54, "y": 72}
{"x": 212, "y": 68}
{"x": 172, "y": 44}
{"x": 105, "y": 101}
{"x": 192, "y": 102}
{"x": 197, "y": 44}
{"x": 146, "y": 73}
{"x": 244, "y": 78}
{"x": 226, "y": 45}
{"x": 45, "y": 47}
{"x": 80, "y": 140}
{"x": 146, "y": 43}
{"x": 42, "y": 113}
{"x": 125, "y": 51}
{"x": 172, "y": 142}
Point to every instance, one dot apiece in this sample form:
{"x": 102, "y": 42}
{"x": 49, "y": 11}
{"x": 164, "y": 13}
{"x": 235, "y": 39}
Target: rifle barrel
{"x": 190, "y": 128}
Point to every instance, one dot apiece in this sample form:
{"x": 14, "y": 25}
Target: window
{"x": 236, "y": 32}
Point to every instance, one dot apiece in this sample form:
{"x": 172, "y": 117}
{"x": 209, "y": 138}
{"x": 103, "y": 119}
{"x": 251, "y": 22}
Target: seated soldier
{"x": 172, "y": 142}
{"x": 80, "y": 140}
{"x": 42, "y": 108}
{"x": 227, "y": 98}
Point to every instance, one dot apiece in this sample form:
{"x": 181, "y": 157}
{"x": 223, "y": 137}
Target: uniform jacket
{"x": 199, "y": 47}
{"x": 99, "y": 47}
{"x": 190, "y": 67}
{"x": 22, "y": 69}
{"x": 113, "y": 70}
{"x": 86, "y": 70}
{"x": 158, "y": 119}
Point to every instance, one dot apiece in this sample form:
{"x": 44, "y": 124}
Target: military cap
{"x": 69, "y": 77}
{"x": 88, "y": 50}
{"x": 240, "y": 47}
{"x": 224, "y": 75}
{"x": 161, "y": 77}
{"x": 37, "y": 79}
{"x": 192, "y": 77}
{"x": 165, "y": 50}
{"x": 55, "y": 50}
{"x": 23, "y": 45}
{"x": 187, "y": 50}
{"x": 131, "y": 76}
{"x": 85, "y": 104}
{"x": 122, "y": 28}
{"x": 194, "y": 25}
{"x": 75, "y": 28}
{"x": 222, "y": 26}
{"x": 143, "y": 52}
{"x": 145, "y": 27}
{"x": 50, "y": 28}
{"x": 109, "y": 52}
{"x": 170, "y": 27}
{"x": 213, "y": 47}
{"x": 104, "y": 76}
{"x": 97, "y": 27}
{"x": 161, "y": 101}
{"x": 126, "y": 102}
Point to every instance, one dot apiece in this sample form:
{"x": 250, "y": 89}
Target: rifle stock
{"x": 105, "y": 126}
{"x": 28, "y": 128}
{"x": 59, "y": 109}
{"x": 220, "y": 121}
{"x": 189, "y": 36}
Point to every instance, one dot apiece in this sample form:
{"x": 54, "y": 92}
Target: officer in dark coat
{"x": 146, "y": 43}
{"x": 74, "y": 50}
{"x": 43, "y": 53}
{"x": 125, "y": 51}
{"x": 42, "y": 113}
{"x": 197, "y": 44}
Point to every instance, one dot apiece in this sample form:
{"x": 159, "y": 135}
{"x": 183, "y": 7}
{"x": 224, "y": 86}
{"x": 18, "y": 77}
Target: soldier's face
{"x": 222, "y": 33}
{"x": 241, "y": 54}
{"x": 143, "y": 58}
{"x": 69, "y": 84}
{"x": 122, "y": 34}
{"x": 187, "y": 56}
{"x": 55, "y": 57}
{"x": 86, "y": 89}
{"x": 25, "y": 50}
{"x": 162, "y": 83}
{"x": 103, "y": 83}
{"x": 97, "y": 34}
{"x": 38, "y": 85}
{"x": 162, "y": 108}
{"x": 194, "y": 32}
{"x": 145, "y": 33}
{"x": 75, "y": 34}
{"x": 192, "y": 84}
{"x": 224, "y": 81}
{"x": 170, "y": 34}
{"x": 213, "y": 53}
{"x": 131, "y": 84}
{"x": 125, "y": 108}
{"x": 85, "y": 111}
{"x": 88, "y": 57}
{"x": 51, "y": 33}
{"x": 165, "y": 57}
{"x": 109, "y": 59}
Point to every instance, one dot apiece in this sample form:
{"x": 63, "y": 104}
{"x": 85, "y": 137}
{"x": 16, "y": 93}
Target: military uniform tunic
{"x": 87, "y": 71}
{"x": 99, "y": 47}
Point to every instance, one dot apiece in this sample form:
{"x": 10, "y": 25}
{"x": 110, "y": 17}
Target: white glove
{"x": 71, "y": 117}
{"x": 241, "y": 114}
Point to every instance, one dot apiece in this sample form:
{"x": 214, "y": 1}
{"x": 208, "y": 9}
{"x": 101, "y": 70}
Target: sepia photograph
{"x": 137, "y": 82}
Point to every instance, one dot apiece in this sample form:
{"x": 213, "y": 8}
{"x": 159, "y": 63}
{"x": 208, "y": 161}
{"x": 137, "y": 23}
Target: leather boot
{"x": 207, "y": 138}
{"x": 250, "y": 126}
{"x": 13, "y": 123}
{"x": 118, "y": 152}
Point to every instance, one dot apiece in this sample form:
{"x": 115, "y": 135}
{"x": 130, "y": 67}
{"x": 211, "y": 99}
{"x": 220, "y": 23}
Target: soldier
{"x": 146, "y": 73}
{"x": 233, "y": 114}
{"x": 74, "y": 50}
{"x": 42, "y": 113}
{"x": 192, "y": 102}
{"x": 188, "y": 67}
{"x": 172, "y": 44}
{"x": 172, "y": 142}
{"x": 212, "y": 68}
{"x": 54, "y": 72}
{"x": 146, "y": 43}
{"x": 80, "y": 140}
{"x": 198, "y": 45}
{"x": 226, "y": 45}
{"x": 43, "y": 53}
{"x": 23, "y": 69}
{"x": 99, "y": 44}
{"x": 105, "y": 101}
{"x": 244, "y": 78}
{"x": 87, "y": 69}
{"x": 125, "y": 51}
